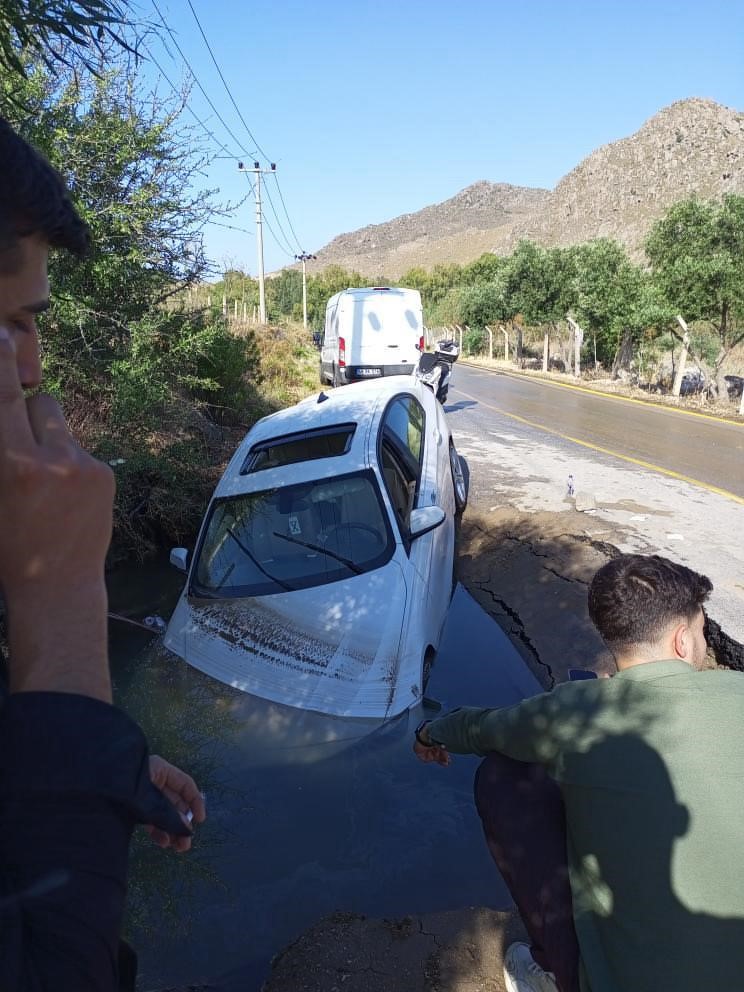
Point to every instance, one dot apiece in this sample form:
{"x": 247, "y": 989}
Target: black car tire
{"x": 459, "y": 484}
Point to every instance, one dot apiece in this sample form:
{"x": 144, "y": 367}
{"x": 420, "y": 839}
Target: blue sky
{"x": 373, "y": 109}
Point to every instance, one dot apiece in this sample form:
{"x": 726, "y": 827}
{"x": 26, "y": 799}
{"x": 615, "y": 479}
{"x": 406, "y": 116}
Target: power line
{"x": 281, "y": 247}
{"x": 278, "y": 222}
{"x": 186, "y": 105}
{"x": 230, "y": 227}
{"x": 224, "y": 82}
{"x": 198, "y": 83}
{"x": 266, "y": 219}
{"x": 227, "y": 128}
{"x": 289, "y": 220}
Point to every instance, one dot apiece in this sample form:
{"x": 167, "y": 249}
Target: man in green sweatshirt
{"x": 614, "y": 808}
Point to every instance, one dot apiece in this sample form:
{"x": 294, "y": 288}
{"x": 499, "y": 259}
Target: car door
{"x": 436, "y": 489}
{"x": 402, "y": 458}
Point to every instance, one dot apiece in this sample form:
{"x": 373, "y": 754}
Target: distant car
{"x": 324, "y": 567}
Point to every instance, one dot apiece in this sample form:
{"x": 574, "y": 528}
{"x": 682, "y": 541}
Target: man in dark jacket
{"x": 75, "y": 774}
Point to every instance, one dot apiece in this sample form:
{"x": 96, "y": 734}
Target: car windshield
{"x": 293, "y": 537}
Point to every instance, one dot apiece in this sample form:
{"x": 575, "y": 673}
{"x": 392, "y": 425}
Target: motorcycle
{"x": 434, "y": 369}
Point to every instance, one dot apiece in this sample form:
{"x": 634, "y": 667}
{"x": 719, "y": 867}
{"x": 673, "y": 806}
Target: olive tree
{"x": 696, "y": 253}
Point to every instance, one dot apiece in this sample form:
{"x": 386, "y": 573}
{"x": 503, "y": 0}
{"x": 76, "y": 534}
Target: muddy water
{"x": 307, "y": 814}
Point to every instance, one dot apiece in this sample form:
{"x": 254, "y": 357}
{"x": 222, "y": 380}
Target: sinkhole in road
{"x": 307, "y": 815}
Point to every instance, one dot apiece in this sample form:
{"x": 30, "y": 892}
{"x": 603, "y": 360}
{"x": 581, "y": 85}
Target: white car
{"x": 323, "y": 570}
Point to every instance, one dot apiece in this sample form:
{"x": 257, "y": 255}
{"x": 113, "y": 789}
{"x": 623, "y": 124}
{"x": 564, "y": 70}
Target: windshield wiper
{"x": 352, "y": 566}
{"x": 257, "y": 563}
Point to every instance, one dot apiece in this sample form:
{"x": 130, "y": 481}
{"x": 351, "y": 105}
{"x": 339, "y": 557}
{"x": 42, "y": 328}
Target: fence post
{"x": 677, "y": 387}
{"x": 490, "y": 342}
{"x": 506, "y": 341}
{"x": 578, "y": 340}
{"x": 459, "y": 331}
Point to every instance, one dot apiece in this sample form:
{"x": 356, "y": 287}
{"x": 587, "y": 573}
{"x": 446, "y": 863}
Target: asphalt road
{"x": 695, "y": 448}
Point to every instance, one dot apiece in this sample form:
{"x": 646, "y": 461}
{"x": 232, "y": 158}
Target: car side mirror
{"x": 425, "y": 519}
{"x": 179, "y": 558}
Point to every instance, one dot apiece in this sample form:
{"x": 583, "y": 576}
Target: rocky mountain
{"x": 692, "y": 146}
{"x": 457, "y": 230}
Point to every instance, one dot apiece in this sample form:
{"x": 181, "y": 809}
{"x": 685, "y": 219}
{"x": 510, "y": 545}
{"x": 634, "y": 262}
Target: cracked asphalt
{"x": 545, "y": 513}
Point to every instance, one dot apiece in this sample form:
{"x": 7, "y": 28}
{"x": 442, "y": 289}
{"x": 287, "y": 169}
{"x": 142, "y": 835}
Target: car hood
{"x": 332, "y": 648}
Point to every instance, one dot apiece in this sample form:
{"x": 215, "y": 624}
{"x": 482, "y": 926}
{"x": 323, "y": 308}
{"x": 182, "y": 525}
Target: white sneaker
{"x": 523, "y": 974}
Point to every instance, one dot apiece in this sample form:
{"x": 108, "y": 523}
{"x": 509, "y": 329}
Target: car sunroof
{"x": 305, "y": 446}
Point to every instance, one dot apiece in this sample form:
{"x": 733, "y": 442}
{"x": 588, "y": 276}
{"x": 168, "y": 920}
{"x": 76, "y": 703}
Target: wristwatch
{"x": 426, "y": 743}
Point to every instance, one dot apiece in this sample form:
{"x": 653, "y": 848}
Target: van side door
{"x": 330, "y": 343}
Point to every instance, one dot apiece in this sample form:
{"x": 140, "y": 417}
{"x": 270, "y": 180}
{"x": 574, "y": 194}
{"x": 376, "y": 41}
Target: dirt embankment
{"x": 531, "y": 572}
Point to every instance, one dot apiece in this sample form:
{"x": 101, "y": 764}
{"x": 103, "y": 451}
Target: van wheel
{"x": 458, "y": 480}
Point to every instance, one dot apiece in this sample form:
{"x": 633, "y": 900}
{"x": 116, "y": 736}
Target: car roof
{"x": 360, "y": 403}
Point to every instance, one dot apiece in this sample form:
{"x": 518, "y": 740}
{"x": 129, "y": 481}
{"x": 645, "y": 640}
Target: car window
{"x": 293, "y": 537}
{"x": 324, "y": 442}
{"x": 400, "y": 482}
{"x": 404, "y": 419}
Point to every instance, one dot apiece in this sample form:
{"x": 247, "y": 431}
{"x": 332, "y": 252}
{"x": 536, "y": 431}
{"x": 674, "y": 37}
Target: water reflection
{"x": 307, "y": 814}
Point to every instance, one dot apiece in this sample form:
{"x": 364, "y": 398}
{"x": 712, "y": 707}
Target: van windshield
{"x": 293, "y": 537}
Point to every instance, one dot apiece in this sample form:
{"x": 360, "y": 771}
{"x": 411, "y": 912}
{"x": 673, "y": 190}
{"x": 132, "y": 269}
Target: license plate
{"x": 369, "y": 371}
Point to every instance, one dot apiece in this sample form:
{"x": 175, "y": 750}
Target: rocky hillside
{"x": 693, "y": 146}
{"x": 458, "y": 230}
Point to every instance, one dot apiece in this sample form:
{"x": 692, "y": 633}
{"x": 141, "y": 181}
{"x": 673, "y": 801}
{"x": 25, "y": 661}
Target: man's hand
{"x": 56, "y": 505}
{"x": 181, "y": 790}
{"x": 429, "y": 752}
{"x": 437, "y": 755}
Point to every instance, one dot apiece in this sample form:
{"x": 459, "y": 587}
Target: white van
{"x": 371, "y": 332}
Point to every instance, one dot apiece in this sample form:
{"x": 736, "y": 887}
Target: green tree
{"x": 59, "y": 31}
{"x": 129, "y": 165}
{"x": 416, "y": 278}
{"x": 483, "y": 304}
{"x": 284, "y": 295}
{"x": 487, "y": 268}
{"x": 141, "y": 381}
{"x": 697, "y": 256}
{"x": 325, "y": 284}
{"x": 443, "y": 278}
{"x": 614, "y": 300}
{"x": 539, "y": 284}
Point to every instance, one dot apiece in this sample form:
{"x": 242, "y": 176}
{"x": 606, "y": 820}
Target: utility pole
{"x": 258, "y": 172}
{"x": 304, "y": 258}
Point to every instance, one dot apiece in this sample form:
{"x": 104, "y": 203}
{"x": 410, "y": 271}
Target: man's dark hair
{"x": 34, "y": 201}
{"x": 634, "y": 598}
